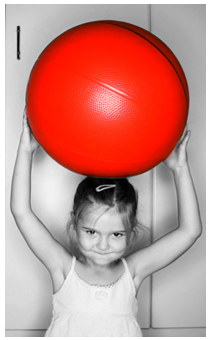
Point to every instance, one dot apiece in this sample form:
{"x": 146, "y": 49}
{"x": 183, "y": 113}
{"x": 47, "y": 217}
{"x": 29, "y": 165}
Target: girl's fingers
{"x": 186, "y": 138}
{"x": 25, "y": 120}
{"x": 24, "y": 113}
{"x": 184, "y": 133}
{"x": 187, "y": 135}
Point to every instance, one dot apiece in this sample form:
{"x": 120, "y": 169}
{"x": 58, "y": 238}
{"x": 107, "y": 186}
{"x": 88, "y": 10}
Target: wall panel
{"x": 178, "y": 292}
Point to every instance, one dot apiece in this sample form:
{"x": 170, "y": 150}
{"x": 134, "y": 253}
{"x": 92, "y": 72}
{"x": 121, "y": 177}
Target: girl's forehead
{"x": 103, "y": 217}
{"x": 94, "y": 211}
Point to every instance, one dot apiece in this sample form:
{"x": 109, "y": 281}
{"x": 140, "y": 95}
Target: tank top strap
{"x": 73, "y": 263}
{"x": 129, "y": 275}
{"x": 125, "y": 265}
{"x": 72, "y": 268}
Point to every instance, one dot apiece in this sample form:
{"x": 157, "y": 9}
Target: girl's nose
{"x": 103, "y": 244}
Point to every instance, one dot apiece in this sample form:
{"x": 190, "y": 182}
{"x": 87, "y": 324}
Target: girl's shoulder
{"x": 130, "y": 264}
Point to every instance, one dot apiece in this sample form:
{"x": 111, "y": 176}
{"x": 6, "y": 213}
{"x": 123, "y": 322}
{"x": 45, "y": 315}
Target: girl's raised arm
{"x": 171, "y": 246}
{"x": 50, "y": 252}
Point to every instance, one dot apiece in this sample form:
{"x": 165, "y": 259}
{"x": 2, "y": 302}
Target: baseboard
{"x": 150, "y": 332}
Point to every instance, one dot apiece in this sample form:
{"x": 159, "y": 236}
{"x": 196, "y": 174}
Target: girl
{"x": 95, "y": 293}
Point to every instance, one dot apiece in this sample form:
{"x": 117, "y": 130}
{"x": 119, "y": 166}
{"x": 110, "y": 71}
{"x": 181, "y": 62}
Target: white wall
{"x": 169, "y": 300}
{"x": 177, "y": 291}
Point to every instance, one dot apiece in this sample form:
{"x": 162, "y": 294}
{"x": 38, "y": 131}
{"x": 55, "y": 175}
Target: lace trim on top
{"x": 103, "y": 286}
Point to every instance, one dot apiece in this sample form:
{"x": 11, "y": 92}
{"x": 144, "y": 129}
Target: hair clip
{"x": 104, "y": 187}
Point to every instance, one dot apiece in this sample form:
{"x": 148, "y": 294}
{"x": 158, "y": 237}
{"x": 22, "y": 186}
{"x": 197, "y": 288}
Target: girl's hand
{"x": 178, "y": 158}
{"x": 27, "y": 140}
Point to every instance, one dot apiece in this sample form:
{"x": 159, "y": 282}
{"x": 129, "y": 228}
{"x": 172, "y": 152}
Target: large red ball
{"x": 107, "y": 99}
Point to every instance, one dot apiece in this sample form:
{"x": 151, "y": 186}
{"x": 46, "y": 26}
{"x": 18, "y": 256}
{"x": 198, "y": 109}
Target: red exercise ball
{"x": 107, "y": 99}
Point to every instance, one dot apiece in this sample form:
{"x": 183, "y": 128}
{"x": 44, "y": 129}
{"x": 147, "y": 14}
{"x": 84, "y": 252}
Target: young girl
{"x": 95, "y": 293}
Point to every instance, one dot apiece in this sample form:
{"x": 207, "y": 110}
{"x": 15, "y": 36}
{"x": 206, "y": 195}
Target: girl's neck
{"x": 98, "y": 274}
{"x": 99, "y": 267}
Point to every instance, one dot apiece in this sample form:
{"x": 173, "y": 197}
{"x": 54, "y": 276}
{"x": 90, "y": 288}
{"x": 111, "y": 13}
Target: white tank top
{"x": 85, "y": 310}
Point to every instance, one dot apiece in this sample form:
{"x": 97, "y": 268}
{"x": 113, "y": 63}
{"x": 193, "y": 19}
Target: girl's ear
{"x": 133, "y": 244}
{"x": 132, "y": 236}
{"x": 130, "y": 243}
{"x": 73, "y": 223}
{"x": 73, "y": 219}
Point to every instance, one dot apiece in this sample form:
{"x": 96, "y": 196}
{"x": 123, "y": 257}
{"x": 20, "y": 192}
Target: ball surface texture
{"x": 107, "y": 99}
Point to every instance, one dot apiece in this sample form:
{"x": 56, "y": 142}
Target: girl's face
{"x": 101, "y": 236}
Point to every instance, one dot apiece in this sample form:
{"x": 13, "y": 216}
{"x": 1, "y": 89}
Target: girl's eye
{"x": 118, "y": 235}
{"x": 91, "y": 232}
